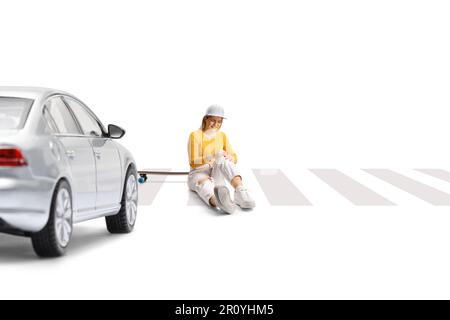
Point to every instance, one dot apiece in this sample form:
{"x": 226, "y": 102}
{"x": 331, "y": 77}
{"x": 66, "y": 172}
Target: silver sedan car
{"x": 59, "y": 166}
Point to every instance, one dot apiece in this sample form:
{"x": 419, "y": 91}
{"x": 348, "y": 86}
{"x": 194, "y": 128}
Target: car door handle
{"x": 98, "y": 154}
{"x": 70, "y": 154}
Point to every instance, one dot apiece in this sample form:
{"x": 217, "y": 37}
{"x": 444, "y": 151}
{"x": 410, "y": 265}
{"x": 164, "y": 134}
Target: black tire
{"x": 45, "y": 242}
{"x": 119, "y": 223}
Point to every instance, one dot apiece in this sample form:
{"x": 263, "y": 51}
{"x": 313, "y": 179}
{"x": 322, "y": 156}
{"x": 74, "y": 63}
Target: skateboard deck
{"x": 143, "y": 174}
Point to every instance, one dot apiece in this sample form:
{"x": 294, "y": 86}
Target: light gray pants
{"x": 222, "y": 170}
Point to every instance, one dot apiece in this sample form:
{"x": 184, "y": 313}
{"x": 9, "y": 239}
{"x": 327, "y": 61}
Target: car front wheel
{"x": 124, "y": 220}
{"x": 54, "y": 238}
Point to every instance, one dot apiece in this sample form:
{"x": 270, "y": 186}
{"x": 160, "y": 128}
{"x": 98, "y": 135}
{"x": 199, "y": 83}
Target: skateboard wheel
{"x": 142, "y": 179}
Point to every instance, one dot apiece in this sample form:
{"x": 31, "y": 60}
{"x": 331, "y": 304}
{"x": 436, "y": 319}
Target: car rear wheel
{"x": 54, "y": 238}
{"x": 123, "y": 222}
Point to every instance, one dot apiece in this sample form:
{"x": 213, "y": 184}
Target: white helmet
{"x": 216, "y": 111}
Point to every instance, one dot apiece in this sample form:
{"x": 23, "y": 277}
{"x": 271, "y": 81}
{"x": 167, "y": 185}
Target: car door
{"x": 107, "y": 158}
{"x": 79, "y": 154}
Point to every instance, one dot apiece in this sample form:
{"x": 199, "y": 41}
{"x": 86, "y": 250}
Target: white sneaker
{"x": 223, "y": 198}
{"x": 243, "y": 199}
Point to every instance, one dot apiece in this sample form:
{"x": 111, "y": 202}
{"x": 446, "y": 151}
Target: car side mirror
{"x": 115, "y": 132}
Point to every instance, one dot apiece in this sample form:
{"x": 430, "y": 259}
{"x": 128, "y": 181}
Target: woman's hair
{"x": 204, "y": 123}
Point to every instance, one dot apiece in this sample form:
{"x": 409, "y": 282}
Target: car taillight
{"x": 12, "y": 157}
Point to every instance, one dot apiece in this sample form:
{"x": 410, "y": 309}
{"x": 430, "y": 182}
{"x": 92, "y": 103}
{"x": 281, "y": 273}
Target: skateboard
{"x": 143, "y": 174}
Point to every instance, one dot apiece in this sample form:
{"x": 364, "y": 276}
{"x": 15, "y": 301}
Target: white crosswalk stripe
{"x": 317, "y": 187}
{"x": 412, "y": 186}
{"x": 351, "y": 189}
{"x": 279, "y": 190}
{"x": 149, "y": 191}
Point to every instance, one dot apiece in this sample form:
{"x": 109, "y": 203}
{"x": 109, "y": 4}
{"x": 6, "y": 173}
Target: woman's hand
{"x": 228, "y": 156}
{"x": 210, "y": 160}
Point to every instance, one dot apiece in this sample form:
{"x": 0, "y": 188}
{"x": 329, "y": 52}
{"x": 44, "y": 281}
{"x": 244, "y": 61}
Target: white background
{"x": 305, "y": 84}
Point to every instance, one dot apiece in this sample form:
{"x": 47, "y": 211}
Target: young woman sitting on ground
{"x": 213, "y": 163}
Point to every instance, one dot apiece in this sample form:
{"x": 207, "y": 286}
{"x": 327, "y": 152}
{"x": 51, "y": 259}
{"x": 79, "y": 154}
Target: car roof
{"x": 38, "y": 95}
{"x": 28, "y": 92}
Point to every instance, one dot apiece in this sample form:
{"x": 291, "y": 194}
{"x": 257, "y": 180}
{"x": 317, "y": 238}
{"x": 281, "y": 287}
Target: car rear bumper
{"x": 25, "y": 204}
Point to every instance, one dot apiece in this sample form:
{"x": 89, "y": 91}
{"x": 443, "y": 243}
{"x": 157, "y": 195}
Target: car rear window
{"x": 14, "y": 112}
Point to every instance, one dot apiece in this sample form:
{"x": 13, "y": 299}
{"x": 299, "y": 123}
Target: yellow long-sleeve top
{"x": 202, "y": 151}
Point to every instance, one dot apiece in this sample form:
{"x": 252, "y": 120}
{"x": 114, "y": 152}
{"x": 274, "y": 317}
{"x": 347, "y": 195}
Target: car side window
{"x": 49, "y": 123}
{"x": 62, "y": 117}
{"x": 88, "y": 123}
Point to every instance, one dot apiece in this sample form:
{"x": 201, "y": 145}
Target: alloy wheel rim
{"x": 63, "y": 217}
{"x": 131, "y": 200}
